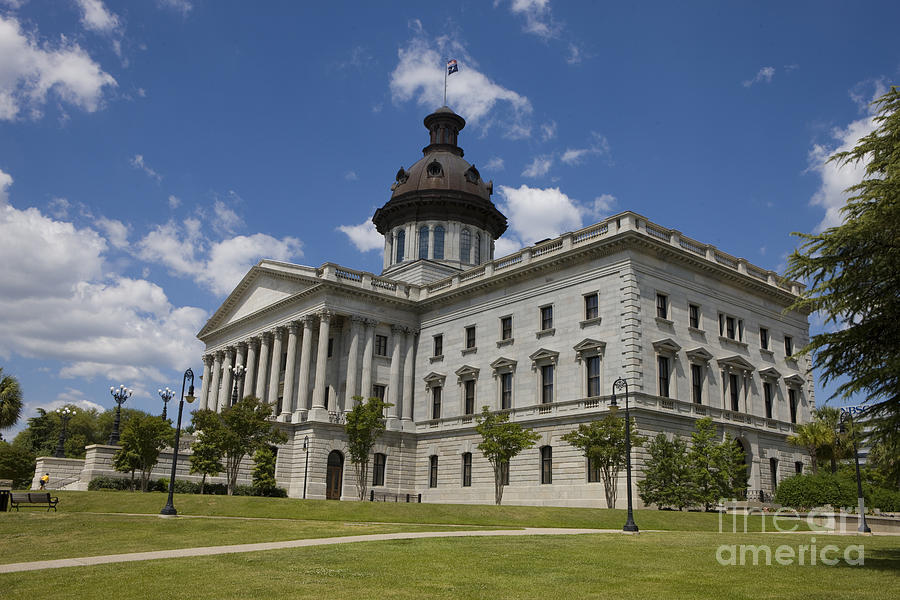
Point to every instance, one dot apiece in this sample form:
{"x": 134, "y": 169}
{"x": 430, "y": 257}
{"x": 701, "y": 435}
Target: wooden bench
{"x": 28, "y": 499}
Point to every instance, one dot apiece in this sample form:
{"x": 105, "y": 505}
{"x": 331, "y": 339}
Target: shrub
{"x": 270, "y": 492}
{"x": 109, "y": 483}
{"x": 809, "y": 491}
{"x": 884, "y": 499}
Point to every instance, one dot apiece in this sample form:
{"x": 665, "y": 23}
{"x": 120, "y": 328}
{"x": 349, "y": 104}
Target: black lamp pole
{"x": 620, "y": 383}
{"x": 166, "y": 395}
{"x": 65, "y": 414}
{"x": 238, "y": 371}
{"x": 863, "y": 526}
{"x": 306, "y": 468}
{"x": 120, "y": 395}
{"x": 169, "y": 509}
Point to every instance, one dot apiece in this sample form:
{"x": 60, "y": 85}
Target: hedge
{"x": 184, "y": 487}
{"x": 810, "y": 491}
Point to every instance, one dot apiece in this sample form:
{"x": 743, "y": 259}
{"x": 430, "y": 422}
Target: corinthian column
{"x": 394, "y": 383}
{"x": 225, "y": 392}
{"x": 213, "y": 398}
{"x": 264, "y": 345}
{"x": 239, "y": 355}
{"x": 365, "y": 389}
{"x": 319, "y": 411}
{"x": 408, "y": 367}
{"x": 287, "y": 405}
{"x": 352, "y": 363}
{"x": 250, "y": 374}
{"x": 204, "y": 387}
{"x": 275, "y": 369}
{"x": 305, "y": 361}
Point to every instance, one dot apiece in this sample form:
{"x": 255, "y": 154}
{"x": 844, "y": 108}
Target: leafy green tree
{"x": 10, "y": 401}
{"x": 237, "y": 431}
{"x": 141, "y": 441}
{"x": 667, "y": 474}
{"x": 603, "y": 444}
{"x": 264, "y": 470}
{"x": 365, "y": 424}
{"x": 884, "y": 460}
{"x": 853, "y": 276}
{"x": 501, "y": 441}
{"x": 126, "y": 461}
{"x": 16, "y": 463}
{"x": 717, "y": 468}
{"x": 206, "y": 460}
{"x": 812, "y": 437}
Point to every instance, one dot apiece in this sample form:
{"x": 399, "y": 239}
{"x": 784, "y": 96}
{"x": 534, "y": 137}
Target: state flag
{"x": 452, "y": 67}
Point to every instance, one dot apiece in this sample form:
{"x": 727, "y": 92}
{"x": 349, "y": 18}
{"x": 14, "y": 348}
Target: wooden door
{"x": 335, "y": 476}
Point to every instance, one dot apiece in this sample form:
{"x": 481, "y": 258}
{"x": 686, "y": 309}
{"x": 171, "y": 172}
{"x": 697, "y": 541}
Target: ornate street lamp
{"x": 863, "y": 526}
{"x": 166, "y": 395}
{"x": 238, "y": 372}
{"x": 65, "y": 414}
{"x": 120, "y": 395}
{"x": 620, "y": 383}
{"x": 169, "y": 509}
{"x": 306, "y": 468}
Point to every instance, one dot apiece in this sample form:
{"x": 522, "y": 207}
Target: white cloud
{"x": 182, "y": 6}
{"x": 59, "y": 207}
{"x": 351, "y": 176}
{"x": 764, "y": 74}
{"x": 364, "y": 236}
{"x": 603, "y": 206}
{"x": 599, "y": 146}
{"x": 548, "y": 131}
{"x": 30, "y": 70}
{"x": 6, "y": 180}
{"x": 225, "y": 220}
{"x": 536, "y": 213}
{"x": 538, "y": 167}
{"x": 419, "y": 75}
{"x": 95, "y": 16}
{"x": 174, "y": 202}
{"x": 495, "y": 164}
{"x": 575, "y": 55}
{"x": 138, "y": 163}
{"x": 116, "y": 231}
{"x": 573, "y": 156}
{"x": 538, "y": 18}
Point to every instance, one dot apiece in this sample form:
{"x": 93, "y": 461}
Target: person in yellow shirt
{"x": 45, "y": 479}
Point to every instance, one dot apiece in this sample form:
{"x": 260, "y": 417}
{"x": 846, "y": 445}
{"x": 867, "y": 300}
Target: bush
{"x": 269, "y": 492}
{"x": 886, "y": 500}
{"x": 181, "y": 486}
{"x": 809, "y": 491}
{"x": 109, "y": 483}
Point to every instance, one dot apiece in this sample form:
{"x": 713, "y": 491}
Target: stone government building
{"x": 446, "y": 328}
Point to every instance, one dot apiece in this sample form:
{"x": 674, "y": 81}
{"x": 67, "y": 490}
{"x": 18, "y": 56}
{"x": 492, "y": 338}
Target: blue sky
{"x": 150, "y": 152}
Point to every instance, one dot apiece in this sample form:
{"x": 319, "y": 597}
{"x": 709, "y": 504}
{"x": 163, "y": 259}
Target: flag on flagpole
{"x": 452, "y": 67}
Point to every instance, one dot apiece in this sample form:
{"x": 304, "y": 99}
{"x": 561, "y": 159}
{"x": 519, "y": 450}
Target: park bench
{"x": 28, "y": 499}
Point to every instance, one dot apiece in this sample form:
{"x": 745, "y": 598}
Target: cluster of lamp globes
{"x": 121, "y": 393}
{"x": 66, "y": 412}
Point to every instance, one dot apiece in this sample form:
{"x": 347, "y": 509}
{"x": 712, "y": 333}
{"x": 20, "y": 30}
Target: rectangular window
{"x": 378, "y": 391}
{"x": 436, "y": 402}
{"x": 470, "y": 336}
{"x": 546, "y": 318}
{"x": 593, "y": 471}
{"x": 788, "y": 345}
{"x": 798, "y": 467}
{"x": 734, "y": 392}
{"x": 763, "y": 338}
{"x": 721, "y": 324}
{"x": 506, "y": 328}
{"x": 767, "y": 397}
{"x": 694, "y": 312}
{"x": 546, "y": 384}
{"x": 740, "y": 333}
{"x": 663, "y": 366}
{"x": 438, "y": 345}
{"x": 591, "y": 306}
{"x": 792, "y": 401}
{"x": 432, "y": 471}
{"x": 729, "y": 328}
{"x": 330, "y": 347}
{"x": 378, "y": 470}
{"x": 662, "y": 306}
{"x": 546, "y": 464}
{"x": 467, "y": 469}
{"x": 697, "y": 383}
{"x": 506, "y": 387}
{"x": 504, "y": 473}
{"x": 470, "y": 396}
{"x": 593, "y": 376}
{"x": 773, "y": 473}
{"x": 380, "y": 345}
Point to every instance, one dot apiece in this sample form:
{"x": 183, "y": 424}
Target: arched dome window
{"x": 401, "y": 243}
{"x": 439, "y": 242}
{"x": 465, "y": 245}
{"x": 477, "y": 248}
{"x": 423, "y": 242}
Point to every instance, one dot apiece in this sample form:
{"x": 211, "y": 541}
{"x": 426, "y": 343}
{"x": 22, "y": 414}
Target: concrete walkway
{"x": 238, "y": 548}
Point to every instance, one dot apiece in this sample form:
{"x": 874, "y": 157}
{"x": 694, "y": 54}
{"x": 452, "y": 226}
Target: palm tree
{"x": 813, "y": 437}
{"x": 838, "y": 448}
{"x": 10, "y": 400}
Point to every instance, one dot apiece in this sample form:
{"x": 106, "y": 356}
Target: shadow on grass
{"x": 882, "y": 559}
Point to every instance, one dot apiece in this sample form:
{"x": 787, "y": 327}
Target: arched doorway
{"x": 335, "y": 475}
{"x": 745, "y": 476}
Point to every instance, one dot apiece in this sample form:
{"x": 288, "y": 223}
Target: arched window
{"x": 477, "y": 248}
{"x": 423, "y": 242}
{"x": 439, "y": 242}
{"x": 546, "y": 464}
{"x": 465, "y": 245}
{"x": 401, "y": 243}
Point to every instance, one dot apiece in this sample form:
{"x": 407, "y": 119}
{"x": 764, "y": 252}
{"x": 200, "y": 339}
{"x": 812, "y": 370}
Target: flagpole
{"x": 445, "y": 83}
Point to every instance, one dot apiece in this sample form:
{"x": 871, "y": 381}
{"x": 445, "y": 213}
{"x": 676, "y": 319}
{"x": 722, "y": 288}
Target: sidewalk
{"x": 238, "y": 548}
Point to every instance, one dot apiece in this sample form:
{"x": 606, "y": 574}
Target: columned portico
{"x": 353, "y": 363}
{"x": 365, "y": 389}
{"x": 287, "y": 404}
{"x": 225, "y": 391}
{"x": 264, "y": 345}
{"x": 394, "y": 384}
{"x": 250, "y": 375}
{"x": 319, "y": 411}
{"x": 408, "y": 367}
{"x": 212, "y": 401}
{"x": 303, "y": 402}
{"x": 207, "y": 373}
{"x": 275, "y": 368}
{"x": 239, "y": 357}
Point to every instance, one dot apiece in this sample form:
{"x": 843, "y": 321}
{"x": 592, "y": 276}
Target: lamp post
{"x": 863, "y": 526}
{"x": 120, "y": 395}
{"x": 169, "y": 509}
{"x": 238, "y": 372}
{"x": 65, "y": 414}
{"x": 620, "y": 383}
{"x": 166, "y": 395}
{"x": 306, "y": 468}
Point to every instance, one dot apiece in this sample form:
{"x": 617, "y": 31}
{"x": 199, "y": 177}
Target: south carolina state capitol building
{"x": 447, "y": 328}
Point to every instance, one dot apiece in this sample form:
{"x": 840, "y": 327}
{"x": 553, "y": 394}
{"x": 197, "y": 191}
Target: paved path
{"x": 237, "y": 548}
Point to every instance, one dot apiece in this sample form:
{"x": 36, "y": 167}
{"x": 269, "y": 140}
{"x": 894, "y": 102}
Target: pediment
{"x": 699, "y": 354}
{"x": 666, "y": 345}
{"x": 588, "y": 345}
{"x": 467, "y": 372}
{"x": 433, "y": 379}
{"x": 543, "y": 354}
{"x": 794, "y": 380}
{"x": 736, "y": 362}
{"x": 770, "y": 372}
{"x": 503, "y": 363}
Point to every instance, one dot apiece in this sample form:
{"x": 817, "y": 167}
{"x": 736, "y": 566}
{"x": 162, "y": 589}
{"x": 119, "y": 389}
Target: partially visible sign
{"x": 853, "y": 410}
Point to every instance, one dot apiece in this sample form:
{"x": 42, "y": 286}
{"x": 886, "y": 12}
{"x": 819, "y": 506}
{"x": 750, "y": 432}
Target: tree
{"x": 206, "y": 460}
{"x": 17, "y": 464}
{"x": 501, "y": 441}
{"x": 237, "y": 431}
{"x": 667, "y": 474}
{"x": 141, "y": 441}
{"x": 365, "y": 424}
{"x": 603, "y": 444}
{"x": 812, "y": 437}
{"x": 264, "y": 470}
{"x": 126, "y": 461}
{"x": 717, "y": 468}
{"x": 10, "y": 401}
{"x": 853, "y": 278}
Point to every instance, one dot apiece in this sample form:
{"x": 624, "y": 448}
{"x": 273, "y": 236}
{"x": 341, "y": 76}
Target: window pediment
{"x": 770, "y": 372}
{"x": 736, "y": 362}
{"x": 699, "y": 354}
{"x": 589, "y": 347}
{"x": 794, "y": 380}
{"x": 467, "y": 372}
{"x": 666, "y": 346}
{"x": 504, "y": 364}
{"x": 544, "y": 356}
{"x": 434, "y": 379}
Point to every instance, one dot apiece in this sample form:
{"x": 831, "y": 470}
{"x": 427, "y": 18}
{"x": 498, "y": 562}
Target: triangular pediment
{"x": 699, "y": 354}
{"x": 503, "y": 363}
{"x": 770, "y": 372}
{"x": 736, "y": 362}
{"x": 434, "y": 378}
{"x": 544, "y": 354}
{"x": 794, "y": 380}
{"x": 667, "y": 345}
{"x": 467, "y": 372}
{"x": 589, "y": 346}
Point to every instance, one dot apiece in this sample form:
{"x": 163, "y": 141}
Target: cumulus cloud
{"x": 364, "y": 236}
{"x": 603, "y": 206}
{"x": 137, "y": 161}
{"x": 538, "y": 167}
{"x": 96, "y": 17}
{"x": 419, "y": 75}
{"x": 116, "y": 231}
{"x": 225, "y": 220}
{"x": 536, "y": 213}
{"x": 30, "y": 71}
{"x": 538, "y": 18}
{"x": 59, "y": 207}
{"x": 6, "y": 181}
{"x": 765, "y": 74}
